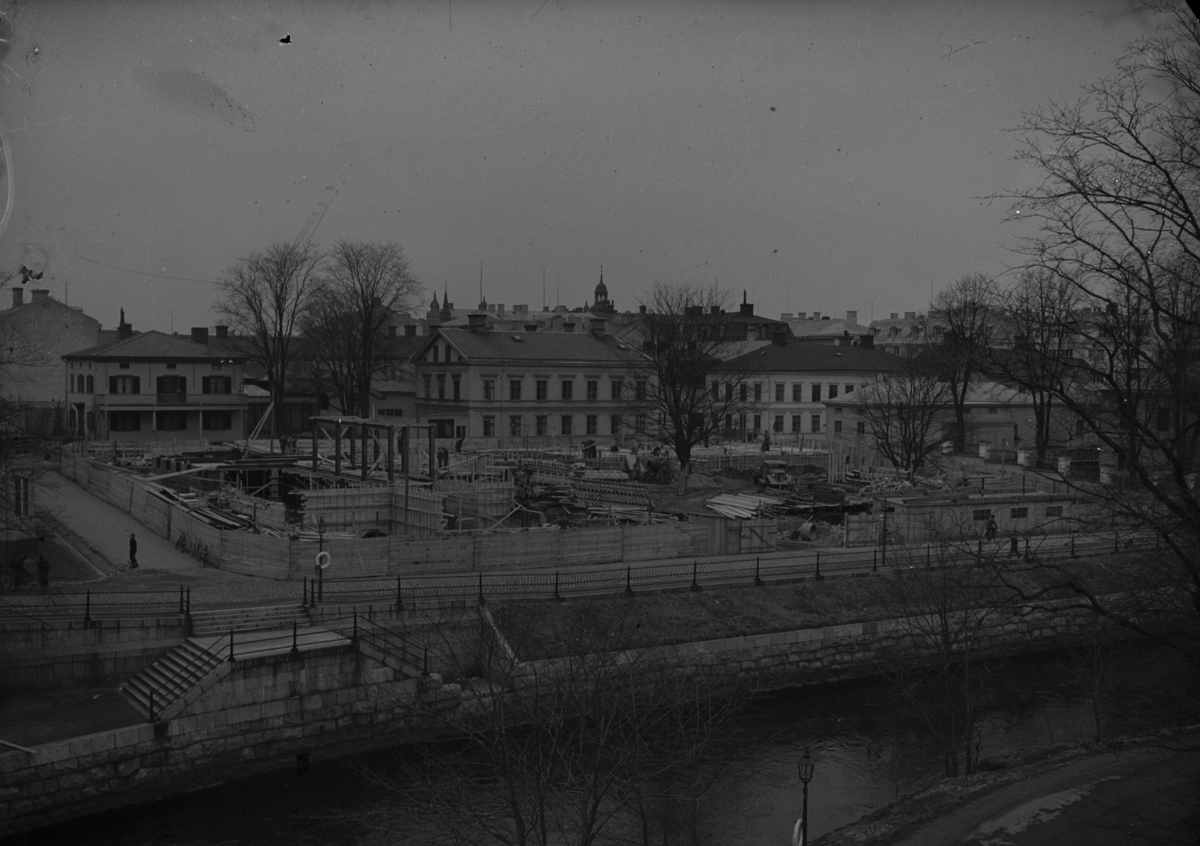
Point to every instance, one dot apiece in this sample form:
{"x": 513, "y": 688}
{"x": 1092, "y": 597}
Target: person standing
{"x": 132, "y": 551}
{"x": 1014, "y": 549}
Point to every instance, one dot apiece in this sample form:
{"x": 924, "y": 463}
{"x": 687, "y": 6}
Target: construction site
{"x": 382, "y": 499}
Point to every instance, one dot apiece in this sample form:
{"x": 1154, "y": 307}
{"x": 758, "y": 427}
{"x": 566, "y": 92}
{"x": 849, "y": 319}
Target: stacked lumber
{"x": 744, "y": 506}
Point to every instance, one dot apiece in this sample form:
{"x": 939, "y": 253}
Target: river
{"x": 1035, "y": 702}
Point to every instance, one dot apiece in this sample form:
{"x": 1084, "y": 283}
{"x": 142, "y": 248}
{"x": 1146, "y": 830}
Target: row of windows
{"x": 815, "y": 391}
{"x": 163, "y": 385}
{"x": 566, "y": 424}
{"x": 169, "y": 421}
{"x": 1017, "y": 513}
{"x": 541, "y": 388}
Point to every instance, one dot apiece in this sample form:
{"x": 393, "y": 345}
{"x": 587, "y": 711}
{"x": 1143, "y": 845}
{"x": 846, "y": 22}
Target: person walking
{"x": 132, "y": 551}
{"x": 992, "y": 528}
{"x": 1013, "y": 548}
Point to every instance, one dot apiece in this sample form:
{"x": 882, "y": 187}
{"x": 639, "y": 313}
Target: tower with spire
{"x": 602, "y": 302}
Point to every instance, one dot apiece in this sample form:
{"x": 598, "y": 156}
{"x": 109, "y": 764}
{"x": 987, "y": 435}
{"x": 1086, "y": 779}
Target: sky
{"x": 821, "y": 155}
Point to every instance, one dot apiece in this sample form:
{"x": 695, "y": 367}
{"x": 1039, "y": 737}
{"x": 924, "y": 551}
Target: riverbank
{"x": 1035, "y": 791}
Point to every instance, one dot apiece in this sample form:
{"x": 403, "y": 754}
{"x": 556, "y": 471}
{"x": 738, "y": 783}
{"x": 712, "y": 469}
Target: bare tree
{"x": 366, "y": 285}
{"x": 265, "y": 297}
{"x": 968, "y": 308}
{"x": 1042, "y": 311}
{"x": 1117, "y": 217}
{"x": 908, "y": 413}
{"x": 684, "y": 393}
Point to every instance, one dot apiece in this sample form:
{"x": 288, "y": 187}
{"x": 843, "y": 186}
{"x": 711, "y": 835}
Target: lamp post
{"x": 320, "y": 549}
{"x": 804, "y": 767}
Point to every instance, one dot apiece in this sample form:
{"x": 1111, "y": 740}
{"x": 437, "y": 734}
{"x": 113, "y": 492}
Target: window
{"x": 728, "y": 422}
{"x": 728, "y": 392}
{"x": 616, "y": 386}
{"x": 428, "y": 380}
{"x": 837, "y": 427}
{"x": 216, "y": 385}
{"x": 171, "y": 421}
{"x": 837, "y": 409}
{"x": 797, "y": 422}
{"x": 514, "y": 425}
{"x": 758, "y": 391}
{"x": 124, "y": 365}
{"x": 833, "y": 391}
{"x": 489, "y": 390}
{"x": 639, "y": 422}
{"x": 797, "y": 392}
{"x": 593, "y": 390}
{"x": 79, "y": 383}
{"x": 860, "y": 427}
{"x": 566, "y": 424}
{"x": 391, "y": 331}
{"x": 457, "y": 386}
{"x": 815, "y": 423}
{"x": 742, "y": 392}
{"x": 757, "y": 422}
{"x": 514, "y": 389}
{"x": 639, "y": 389}
{"x": 124, "y": 384}
{"x": 993, "y": 409}
{"x": 217, "y": 421}
{"x": 716, "y": 391}
{"x": 779, "y": 393}
{"x": 441, "y": 382}
{"x": 540, "y": 425}
{"x": 741, "y": 421}
{"x": 816, "y": 392}
{"x": 124, "y": 421}
{"x": 542, "y": 389}
{"x": 614, "y": 425}
{"x": 849, "y": 389}
{"x": 591, "y": 423}
{"x": 489, "y": 426}
{"x": 777, "y": 426}
{"x": 447, "y": 358}
{"x": 980, "y": 514}
{"x": 91, "y": 384}
{"x": 1054, "y": 510}
{"x": 171, "y": 365}
{"x": 1018, "y": 513}
{"x": 172, "y": 385}
{"x": 568, "y": 391}
{"x": 434, "y": 352}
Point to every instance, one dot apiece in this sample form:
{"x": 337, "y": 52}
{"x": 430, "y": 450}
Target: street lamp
{"x": 804, "y": 767}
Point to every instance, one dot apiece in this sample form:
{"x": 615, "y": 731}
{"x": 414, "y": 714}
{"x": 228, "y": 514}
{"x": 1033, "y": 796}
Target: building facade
{"x": 153, "y": 386}
{"x": 525, "y": 388}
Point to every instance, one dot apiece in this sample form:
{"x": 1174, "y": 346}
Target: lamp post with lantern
{"x": 804, "y": 767}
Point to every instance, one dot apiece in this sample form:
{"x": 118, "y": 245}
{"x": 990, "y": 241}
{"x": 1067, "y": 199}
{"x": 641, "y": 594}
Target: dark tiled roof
{"x": 154, "y": 346}
{"x": 536, "y": 346}
{"x": 801, "y": 357}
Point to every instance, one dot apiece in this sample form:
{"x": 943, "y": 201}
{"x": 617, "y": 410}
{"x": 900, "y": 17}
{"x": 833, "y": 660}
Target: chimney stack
{"x": 802, "y": 315}
{"x": 851, "y": 316}
{"x": 18, "y": 297}
{"x": 222, "y": 332}
{"x": 779, "y": 336}
{"x": 200, "y": 335}
{"x": 785, "y": 316}
{"x": 910, "y": 315}
{"x": 816, "y": 315}
{"x": 895, "y": 316}
{"x": 40, "y": 294}
{"x": 641, "y": 309}
{"x": 597, "y": 326}
{"x": 477, "y": 321}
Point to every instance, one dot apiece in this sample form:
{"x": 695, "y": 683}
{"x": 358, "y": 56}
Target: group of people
{"x": 1014, "y": 544}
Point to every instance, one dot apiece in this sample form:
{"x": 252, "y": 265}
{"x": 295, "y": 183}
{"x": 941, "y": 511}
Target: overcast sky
{"x": 824, "y": 156}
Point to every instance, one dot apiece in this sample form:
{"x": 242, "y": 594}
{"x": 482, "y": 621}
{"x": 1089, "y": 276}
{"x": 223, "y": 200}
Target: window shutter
{"x": 228, "y": 384}
{"x": 112, "y": 384}
{"x": 206, "y": 385}
{"x": 160, "y": 384}
{"x": 137, "y": 385}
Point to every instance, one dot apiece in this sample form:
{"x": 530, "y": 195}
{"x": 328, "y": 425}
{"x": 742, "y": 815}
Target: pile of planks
{"x": 744, "y": 506}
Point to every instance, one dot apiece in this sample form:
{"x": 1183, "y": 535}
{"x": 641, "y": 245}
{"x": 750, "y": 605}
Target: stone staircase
{"x": 158, "y": 687}
{"x": 222, "y": 621}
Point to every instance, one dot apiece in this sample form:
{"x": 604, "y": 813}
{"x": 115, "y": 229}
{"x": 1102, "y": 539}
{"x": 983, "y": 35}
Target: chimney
{"x": 124, "y": 330}
{"x": 779, "y": 336}
{"x": 40, "y": 294}
{"x": 222, "y": 332}
{"x": 802, "y": 315}
{"x": 641, "y": 309}
{"x": 477, "y": 321}
{"x": 826, "y": 317}
{"x": 894, "y": 316}
{"x": 852, "y": 317}
{"x": 785, "y": 316}
{"x": 531, "y": 327}
{"x": 597, "y": 326}
{"x": 693, "y": 311}
{"x": 816, "y": 315}
{"x": 867, "y": 341}
{"x": 18, "y": 297}
{"x": 714, "y": 309}
{"x": 910, "y": 315}
{"x": 200, "y": 335}
{"x": 746, "y": 309}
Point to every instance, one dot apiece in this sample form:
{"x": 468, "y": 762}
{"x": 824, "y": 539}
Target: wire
{"x": 144, "y": 272}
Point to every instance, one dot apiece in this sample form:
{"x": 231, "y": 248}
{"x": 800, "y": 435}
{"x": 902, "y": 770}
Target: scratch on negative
{"x": 52, "y": 120}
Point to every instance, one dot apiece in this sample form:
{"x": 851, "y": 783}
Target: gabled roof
{"x": 800, "y": 357}
{"x": 533, "y": 347}
{"x": 153, "y": 346}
